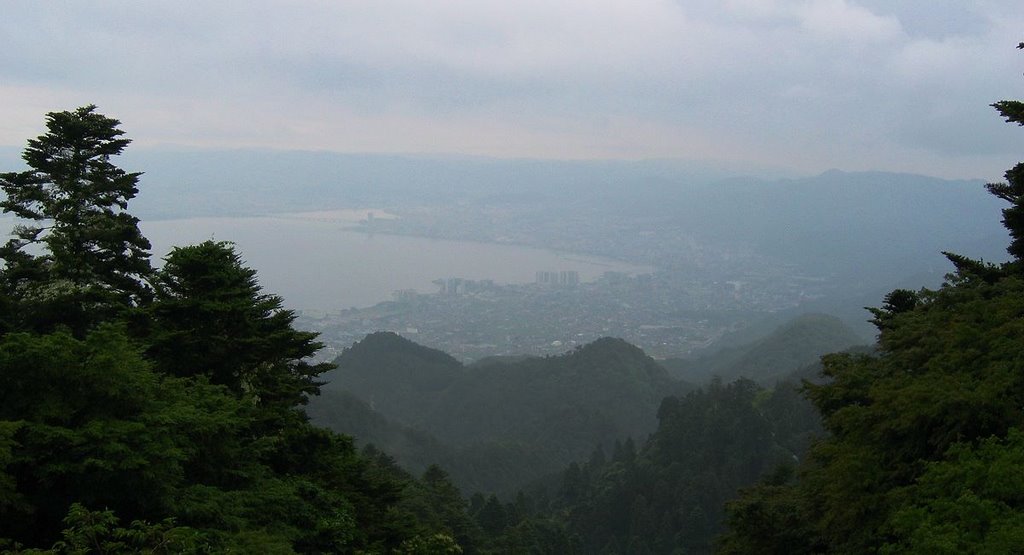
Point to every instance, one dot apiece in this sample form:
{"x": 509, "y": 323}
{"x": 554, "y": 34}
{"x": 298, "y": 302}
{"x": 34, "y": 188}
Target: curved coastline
{"x": 326, "y": 263}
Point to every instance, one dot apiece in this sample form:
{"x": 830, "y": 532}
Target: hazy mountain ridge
{"x": 608, "y": 382}
{"x": 321, "y": 179}
{"x": 850, "y": 222}
{"x": 795, "y": 344}
{"x": 696, "y": 191}
{"x": 551, "y": 410}
{"x": 508, "y": 422}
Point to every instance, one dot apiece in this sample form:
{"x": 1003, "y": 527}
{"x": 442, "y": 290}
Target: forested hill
{"x": 795, "y": 344}
{"x": 594, "y": 394}
{"x": 396, "y": 376}
{"x": 555, "y": 409}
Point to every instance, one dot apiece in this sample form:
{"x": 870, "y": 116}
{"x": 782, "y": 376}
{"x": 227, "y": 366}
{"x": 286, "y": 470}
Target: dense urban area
{"x": 691, "y": 291}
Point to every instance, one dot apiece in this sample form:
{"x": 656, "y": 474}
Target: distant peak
{"x": 607, "y": 345}
{"x": 384, "y": 338}
{"x": 390, "y": 343}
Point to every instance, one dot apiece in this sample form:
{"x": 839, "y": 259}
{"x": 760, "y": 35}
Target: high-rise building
{"x": 569, "y": 277}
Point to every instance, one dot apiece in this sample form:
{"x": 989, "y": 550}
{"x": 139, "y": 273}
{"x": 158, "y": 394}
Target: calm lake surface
{"x": 317, "y": 261}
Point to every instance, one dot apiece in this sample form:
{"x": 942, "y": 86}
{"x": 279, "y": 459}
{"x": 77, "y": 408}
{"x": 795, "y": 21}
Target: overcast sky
{"x": 899, "y": 85}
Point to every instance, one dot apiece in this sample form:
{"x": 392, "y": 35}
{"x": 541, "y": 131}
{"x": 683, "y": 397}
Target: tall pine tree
{"x": 78, "y": 257}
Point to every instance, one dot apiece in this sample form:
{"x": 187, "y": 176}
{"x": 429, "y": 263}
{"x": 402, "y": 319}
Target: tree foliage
{"x": 211, "y": 317}
{"x": 665, "y": 495}
{"x": 73, "y": 200}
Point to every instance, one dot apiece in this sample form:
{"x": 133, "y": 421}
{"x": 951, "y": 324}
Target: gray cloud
{"x": 812, "y": 84}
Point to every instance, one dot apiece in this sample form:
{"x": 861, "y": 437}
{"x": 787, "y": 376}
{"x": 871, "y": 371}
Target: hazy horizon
{"x": 799, "y": 86}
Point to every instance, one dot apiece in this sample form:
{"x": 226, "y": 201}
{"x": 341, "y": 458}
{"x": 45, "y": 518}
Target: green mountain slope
{"x": 538, "y": 413}
{"x": 343, "y": 410}
{"x": 395, "y": 376}
{"x": 595, "y": 393}
{"x": 793, "y": 345}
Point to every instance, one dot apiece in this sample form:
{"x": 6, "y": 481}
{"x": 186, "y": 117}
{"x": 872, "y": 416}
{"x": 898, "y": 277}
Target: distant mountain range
{"x": 866, "y": 228}
{"x": 736, "y": 202}
{"x": 867, "y": 225}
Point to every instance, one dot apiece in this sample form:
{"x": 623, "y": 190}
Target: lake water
{"x": 317, "y": 261}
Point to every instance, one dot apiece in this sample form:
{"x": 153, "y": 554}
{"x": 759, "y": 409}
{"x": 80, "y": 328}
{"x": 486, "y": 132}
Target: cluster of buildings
{"x": 472, "y": 319}
{"x": 564, "y": 278}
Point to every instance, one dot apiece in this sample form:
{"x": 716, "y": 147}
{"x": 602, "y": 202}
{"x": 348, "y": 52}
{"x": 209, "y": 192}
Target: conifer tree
{"x": 78, "y": 256}
{"x": 210, "y": 317}
{"x": 1012, "y": 190}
